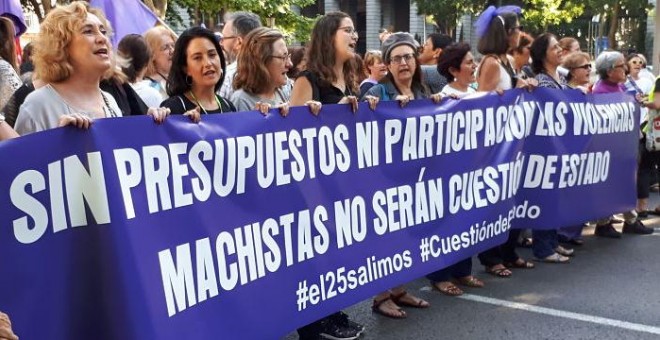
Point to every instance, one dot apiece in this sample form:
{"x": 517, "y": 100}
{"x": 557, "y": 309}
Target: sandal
{"x": 450, "y": 289}
{"x": 555, "y": 258}
{"x": 520, "y": 263}
{"x": 499, "y": 270}
{"x": 387, "y": 307}
{"x": 470, "y": 281}
{"x": 406, "y": 299}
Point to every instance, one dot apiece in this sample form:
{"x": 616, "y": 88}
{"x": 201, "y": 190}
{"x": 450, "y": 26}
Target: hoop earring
{"x": 189, "y": 82}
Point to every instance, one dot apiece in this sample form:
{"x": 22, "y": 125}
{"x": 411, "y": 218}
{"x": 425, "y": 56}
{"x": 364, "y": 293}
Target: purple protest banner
{"x": 126, "y": 17}
{"x": 141, "y": 231}
{"x": 12, "y": 9}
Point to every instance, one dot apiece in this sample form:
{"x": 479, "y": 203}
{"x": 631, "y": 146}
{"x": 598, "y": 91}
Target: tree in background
{"x": 207, "y": 11}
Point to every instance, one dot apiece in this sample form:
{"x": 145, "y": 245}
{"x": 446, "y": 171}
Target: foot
{"x": 499, "y": 270}
{"x": 387, "y": 307}
{"x": 447, "y": 288}
{"x": 564, "y": 251}
{"x": 607, "y": 230}
{"x": 636, "y": 228}
{"x": 555, "y": 258}
{"x": 470, "y": 281}
{"x": 407, "y": 299}
{"x": 520, "y": 263}
{"x": 642, "y": 213}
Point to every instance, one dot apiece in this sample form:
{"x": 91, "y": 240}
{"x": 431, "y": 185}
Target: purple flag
{"x": 126, "y": 17}
{"x": 12, "y": 9}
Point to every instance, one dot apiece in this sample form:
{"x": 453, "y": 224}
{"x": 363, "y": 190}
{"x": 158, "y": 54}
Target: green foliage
{"x": 280, "y": 10}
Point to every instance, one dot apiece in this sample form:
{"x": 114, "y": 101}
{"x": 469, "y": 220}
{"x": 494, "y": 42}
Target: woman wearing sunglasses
{"x": 578, "y": 65}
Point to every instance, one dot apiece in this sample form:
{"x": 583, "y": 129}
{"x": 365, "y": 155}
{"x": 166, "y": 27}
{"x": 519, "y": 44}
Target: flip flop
{"x": 555, "y": 258}
{"x": 416, "y": 302}
{"x": 470, "y": 281}
{"x": 392, "y": 312}
{"x": 450, "y": 290}
{"x": 520, "y": 263}
{"x": 502, "y": 272}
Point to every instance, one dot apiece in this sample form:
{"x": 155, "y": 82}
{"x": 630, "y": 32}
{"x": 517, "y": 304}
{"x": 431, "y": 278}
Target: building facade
{"x": 371, "y": 15}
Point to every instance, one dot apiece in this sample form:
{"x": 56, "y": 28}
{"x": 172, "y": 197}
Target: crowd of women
{"x": 75, "y": 77}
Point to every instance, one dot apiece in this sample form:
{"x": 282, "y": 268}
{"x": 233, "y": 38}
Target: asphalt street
{"x": 610, "y": 290}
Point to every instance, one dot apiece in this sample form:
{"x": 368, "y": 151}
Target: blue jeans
{"x": 544, "y": 242}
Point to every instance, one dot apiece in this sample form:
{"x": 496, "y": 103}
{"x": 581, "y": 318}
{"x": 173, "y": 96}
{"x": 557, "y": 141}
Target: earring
{"x": 189, "y": 80}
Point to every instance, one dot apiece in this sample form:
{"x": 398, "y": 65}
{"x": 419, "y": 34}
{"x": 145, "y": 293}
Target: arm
{"x": 303, "y": 94}
{"x": 6, "y": 332}
{"x": 6, "y": 132}
{"x": 489, "y": 75}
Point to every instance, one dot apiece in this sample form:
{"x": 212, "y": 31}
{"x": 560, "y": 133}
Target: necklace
{"x": 200, "y": 104}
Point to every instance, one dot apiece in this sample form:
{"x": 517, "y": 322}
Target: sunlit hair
{"x": 371, "y": 58}
{"x": 153, "y": 38}
{"x": 539, "y": 52}
{"x": 321, "y": 52}
{"x": 574, "y": 60}
{"x": 566, "y": 43}
{"x": 7, "y": 47}
{"x": 176, "y": 80}
{"x": 496, "y": 39}
{"x": 252, "y": 73}
{"x": 51, "y": 56}
{"x": 451, "y": 59}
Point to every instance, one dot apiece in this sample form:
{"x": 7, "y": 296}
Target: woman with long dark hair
{"x": 329, "y": 79}
{"x": 197, "y": 72}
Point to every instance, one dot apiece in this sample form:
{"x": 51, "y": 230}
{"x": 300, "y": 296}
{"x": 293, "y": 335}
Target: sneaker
{"x": 636, "y": 228}
{"x": 343, "y": 319}
{"x": 334, "y": 330}
{"x": 564, "y": 251}
{"x": 607, "y": 230}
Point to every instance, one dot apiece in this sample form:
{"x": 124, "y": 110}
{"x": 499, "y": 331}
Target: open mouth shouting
{"x": 102, "y": 52}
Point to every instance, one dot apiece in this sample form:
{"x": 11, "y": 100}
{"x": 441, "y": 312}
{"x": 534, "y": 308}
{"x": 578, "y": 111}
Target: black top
{"x": 180, "y": 104}
{"x": 324, "y": 92}
{"x": 14, "y": 104}
{"x": 127, "y": 99}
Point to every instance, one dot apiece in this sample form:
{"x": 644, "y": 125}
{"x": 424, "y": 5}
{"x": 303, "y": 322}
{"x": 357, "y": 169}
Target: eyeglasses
{"x": 349, "y": 29}
{"x": 284, "y": 57}
{"x": 636, "y": 62}
{"x": 229, "y": 37}
{"x": 585, "y": 66}
{"x": 401, "y": 59}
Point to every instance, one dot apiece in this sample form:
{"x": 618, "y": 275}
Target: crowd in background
{"x": 70, "y": 75}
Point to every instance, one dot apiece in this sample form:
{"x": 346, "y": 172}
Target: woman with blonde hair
{"x": 72, "y": 54}
{"x": 375, "y": 70}
{"x": 161, "y": 43}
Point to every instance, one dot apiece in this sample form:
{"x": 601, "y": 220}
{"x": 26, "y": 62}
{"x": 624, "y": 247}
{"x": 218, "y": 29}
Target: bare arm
{"x": 302, "y": 92}
{"x": 489, "y": 74}
{"x": 6, "y": 132}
